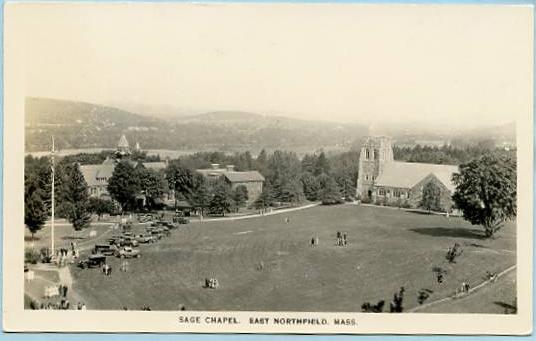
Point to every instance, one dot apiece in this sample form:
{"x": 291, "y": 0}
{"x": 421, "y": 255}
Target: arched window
{"x": 367, "y": 153}
{"x": 376, "y": 154}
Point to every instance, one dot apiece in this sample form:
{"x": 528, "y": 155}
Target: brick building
{"x": 252, "y": 180}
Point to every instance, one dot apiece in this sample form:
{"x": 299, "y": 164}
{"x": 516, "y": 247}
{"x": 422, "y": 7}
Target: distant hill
{"x": 86, "y": 125}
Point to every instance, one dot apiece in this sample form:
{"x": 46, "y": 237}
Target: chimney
{"x": 230, "y": 168}
{"x": 215, "y": 165}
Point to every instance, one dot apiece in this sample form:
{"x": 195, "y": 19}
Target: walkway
{"x": 249, "y": 216}
{"x": 472, "y": 290}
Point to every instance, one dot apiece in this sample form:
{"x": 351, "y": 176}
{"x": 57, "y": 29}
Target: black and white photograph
{"x": 269, "y": 167}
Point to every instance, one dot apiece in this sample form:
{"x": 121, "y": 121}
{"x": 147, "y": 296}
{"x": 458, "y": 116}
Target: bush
{"x": 366, "y": 200}
{"x": 31, "y": 256}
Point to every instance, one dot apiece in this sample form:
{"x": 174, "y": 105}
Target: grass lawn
{"x": 64, "y": 234}
{"x": 388, "y": 248}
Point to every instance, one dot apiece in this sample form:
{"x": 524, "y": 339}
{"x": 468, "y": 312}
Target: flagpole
{"x": 52, "y": 211}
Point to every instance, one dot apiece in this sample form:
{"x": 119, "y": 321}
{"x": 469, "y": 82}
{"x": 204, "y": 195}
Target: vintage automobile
{"x": 141, "y": 238}
{"x": 92, "y": 261}
{"x": 129, "y": 241}
{"x": 105, "y": 249}
{"x": 127, "y": 252}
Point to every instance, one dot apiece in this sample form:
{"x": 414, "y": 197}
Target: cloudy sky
{"x": 447, "y": 64}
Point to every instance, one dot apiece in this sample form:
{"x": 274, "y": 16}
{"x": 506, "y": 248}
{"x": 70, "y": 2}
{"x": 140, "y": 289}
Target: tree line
{"x": 485, "y": 186}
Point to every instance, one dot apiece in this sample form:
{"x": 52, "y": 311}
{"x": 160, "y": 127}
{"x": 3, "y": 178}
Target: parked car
{"x": 141, "y": 238}
{"x": 105, "y": 249}
{"x": 129, "y": 241}
{"x": 128, "y": 252}
{"x": 92, "y": 261}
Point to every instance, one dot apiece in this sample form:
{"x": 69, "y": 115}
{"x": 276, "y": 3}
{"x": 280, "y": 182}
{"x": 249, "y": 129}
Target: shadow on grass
{"x": 29, "y": 238}
{"x": 509, "y": 308}
{"x": 455, "y": 232}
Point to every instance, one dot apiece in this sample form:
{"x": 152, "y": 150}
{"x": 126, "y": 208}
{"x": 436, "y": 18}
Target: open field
{"x": 388, "y": 248}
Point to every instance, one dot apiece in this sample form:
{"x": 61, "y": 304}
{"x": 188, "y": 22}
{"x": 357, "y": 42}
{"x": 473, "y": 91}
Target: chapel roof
{"x": 408, "y": 174}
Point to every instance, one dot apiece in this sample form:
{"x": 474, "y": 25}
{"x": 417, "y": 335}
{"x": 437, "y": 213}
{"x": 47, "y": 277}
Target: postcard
{"x": 268, "y": 168}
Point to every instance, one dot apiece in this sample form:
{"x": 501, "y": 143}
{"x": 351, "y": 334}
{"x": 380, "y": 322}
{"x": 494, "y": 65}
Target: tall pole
{"x": 52, "y": 211}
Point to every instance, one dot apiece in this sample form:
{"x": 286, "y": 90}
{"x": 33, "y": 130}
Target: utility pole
{"x": 52, "y": 210}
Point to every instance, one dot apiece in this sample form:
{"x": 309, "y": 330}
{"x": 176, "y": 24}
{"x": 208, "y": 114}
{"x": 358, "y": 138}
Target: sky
{"x": 450, "y": 65}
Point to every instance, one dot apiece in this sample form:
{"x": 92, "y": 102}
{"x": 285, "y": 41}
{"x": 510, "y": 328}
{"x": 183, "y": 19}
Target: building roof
{"x": 232, "y": 176}
{"x": 157, "y": 165}
{"x": 408, "y": 174}
{"x": 123, "y": 143}
{"x": 92, "y": 172}
{"x": 249, "y": 176}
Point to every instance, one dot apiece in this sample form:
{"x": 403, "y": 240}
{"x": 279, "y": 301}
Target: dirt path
{"x": 249, "y": 216}
{"x": 472, "y": 290}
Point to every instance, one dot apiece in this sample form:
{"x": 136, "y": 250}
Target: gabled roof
{"x": 92, "y": 172}
{"x": 409, "y": 174}
{"x": 244, "y": 176}
{"x": 123, "y": 143}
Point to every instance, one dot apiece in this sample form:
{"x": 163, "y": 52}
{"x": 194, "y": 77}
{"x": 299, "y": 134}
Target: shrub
{"x": 31, "y": 256}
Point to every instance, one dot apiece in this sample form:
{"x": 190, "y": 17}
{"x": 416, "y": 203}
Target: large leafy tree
{"x": 431, "y": 197}
{"x": 202, "y": 196}
{"x": 101, "y": 206}
{"x": 486, "y": 191}
{"x": 182, "y": 179}
{"x": 124, "y": 185}
{"x": 75, "y": 197}
{"x": 240, "y": 196}
{"x": 152, "y": 183}
{"x": 222, "y": 200}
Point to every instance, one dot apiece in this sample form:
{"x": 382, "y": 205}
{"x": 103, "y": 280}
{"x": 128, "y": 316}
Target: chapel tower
{"x": 375, "y": 153}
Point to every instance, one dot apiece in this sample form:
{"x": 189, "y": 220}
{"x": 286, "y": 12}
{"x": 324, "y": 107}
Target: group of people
{"x": 342, "y": 239}
{"x": 64, "y": 255}
{"x": 211, "y": 283}
{"x": 464, "y": 289}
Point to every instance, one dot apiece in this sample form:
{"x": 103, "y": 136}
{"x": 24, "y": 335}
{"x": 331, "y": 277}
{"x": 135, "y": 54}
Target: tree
{"x": 311, "y": 187}
{"x": 240, "y": 196}
{"x": 486, "y": 191}
{"x": 329, "y": 193}
{"x": 265, "y": 199}
{"x": 100, "y": 206}
{"x": 124, "y": 185}
{"x": 75, "y": 198}
{"x": 35, "y": 210}
{"x": 222, "y": 200}
{"x": 322, "y": 165}
{"x": 181, "y": 179}
{"x": 261, "y": 160}
{"x": 431, "y": 197}
{"x": 202, "y": 196}
{"x": 152, "y": 183}
{"x": 291, "y": 192}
